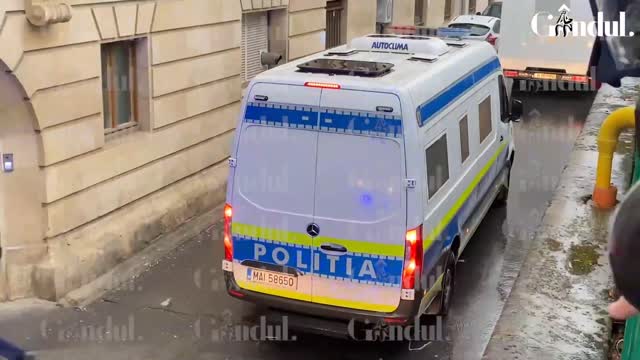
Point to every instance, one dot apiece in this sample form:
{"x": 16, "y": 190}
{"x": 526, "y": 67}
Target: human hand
{"x": 622, "y": 309}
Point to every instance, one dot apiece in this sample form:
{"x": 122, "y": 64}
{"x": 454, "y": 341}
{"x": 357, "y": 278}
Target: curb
{"x": 142, "y": 261}
{"x": 557, "y": 308}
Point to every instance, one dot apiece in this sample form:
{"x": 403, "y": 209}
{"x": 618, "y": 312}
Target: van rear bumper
{"x": 323, "y": 319}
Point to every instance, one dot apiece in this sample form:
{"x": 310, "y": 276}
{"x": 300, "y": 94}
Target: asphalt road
{"x": 132, "y": 323}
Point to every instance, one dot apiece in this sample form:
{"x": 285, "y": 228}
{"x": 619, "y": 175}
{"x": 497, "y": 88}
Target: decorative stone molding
{"x": 46, "y": 12}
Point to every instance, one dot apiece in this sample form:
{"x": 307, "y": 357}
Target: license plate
{"x": 545, "y": 76}
{"x": 271, "y": 278}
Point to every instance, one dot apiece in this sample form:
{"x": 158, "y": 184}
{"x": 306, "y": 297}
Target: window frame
{"x": 465, "y": 118}
{"x": 111, "y": 93}
{"x": 419, "y": 19}
{"x": 488, "y": 99}
{"x": 444, "y": 136}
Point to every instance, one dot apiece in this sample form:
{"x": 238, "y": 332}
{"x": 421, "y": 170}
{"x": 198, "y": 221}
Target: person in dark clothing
{"x": 624, "y": 250}
{"x": 614, "y": 58}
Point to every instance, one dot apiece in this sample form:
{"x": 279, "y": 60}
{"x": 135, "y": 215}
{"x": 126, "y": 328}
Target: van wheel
{"x": 448, "y": 285}
{"x": 503, "y": 194}
{"x": 502, "y": 197}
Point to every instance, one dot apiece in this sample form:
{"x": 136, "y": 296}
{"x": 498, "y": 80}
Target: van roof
{"x": 408, "y": 73}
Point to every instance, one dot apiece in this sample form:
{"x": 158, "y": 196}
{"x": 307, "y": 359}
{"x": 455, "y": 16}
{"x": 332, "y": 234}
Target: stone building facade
{"x": 117, "y": 116}
{"x": 116, "y": 119}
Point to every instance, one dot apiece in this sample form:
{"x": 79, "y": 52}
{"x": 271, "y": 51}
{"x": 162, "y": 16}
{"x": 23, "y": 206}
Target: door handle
{"x": 333, "y": 248}
{"x": 501, "y": 138}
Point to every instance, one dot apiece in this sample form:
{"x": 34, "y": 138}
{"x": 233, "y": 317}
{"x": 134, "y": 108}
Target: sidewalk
{"x": 557, "y": 308}
{"x": 164, "y": 293}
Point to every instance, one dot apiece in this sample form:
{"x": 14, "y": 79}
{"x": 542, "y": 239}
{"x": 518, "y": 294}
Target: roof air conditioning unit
{"x": 425, "y": 46}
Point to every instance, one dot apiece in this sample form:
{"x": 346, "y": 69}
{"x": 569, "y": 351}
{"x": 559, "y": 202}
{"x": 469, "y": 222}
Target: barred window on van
{"x": 437, "y": 165}
{"x": 485, "y": 118}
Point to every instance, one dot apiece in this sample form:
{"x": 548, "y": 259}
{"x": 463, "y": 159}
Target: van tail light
{"x": 322, "y": 85}
{"x": 412, "y": 257}
{"x": 228, "y": 245}
{"x": 492, "y": 39}
{"x": 510, "y": 73}
{"x": 580, "y": 79}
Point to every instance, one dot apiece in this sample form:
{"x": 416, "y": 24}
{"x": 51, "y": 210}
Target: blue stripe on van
{"x": 304, "y": 117}
{"x": 431, "y": 108}
{"x": 359, "y": 268}
{"x": 360, "y": 123}
{"x": 331, "y": 120}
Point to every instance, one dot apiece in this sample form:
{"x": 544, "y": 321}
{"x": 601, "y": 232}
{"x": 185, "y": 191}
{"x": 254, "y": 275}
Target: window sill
{"x": 124, "y": 130}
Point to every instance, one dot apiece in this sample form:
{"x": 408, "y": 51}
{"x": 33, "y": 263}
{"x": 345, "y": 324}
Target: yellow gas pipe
{"x": 604, "y": 194}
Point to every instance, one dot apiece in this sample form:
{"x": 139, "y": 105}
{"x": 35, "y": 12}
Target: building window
{"x": 472, "y": 6}
{"x": 485, "y": 119}
{"x": 119, "y": 85}
{"x": 335, "y": 21}
{"x": 464, "y": 138}
{"x": 437, "y": 165}
{"x": 263, "y": 31}
{"x": 419, "y": 12}
{"x": 448, "y": 4}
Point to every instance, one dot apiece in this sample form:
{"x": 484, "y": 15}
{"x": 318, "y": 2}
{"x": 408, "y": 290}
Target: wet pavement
{"x": 179, "y": 308}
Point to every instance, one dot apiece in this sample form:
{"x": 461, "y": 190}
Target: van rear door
{"x": 359, "y": 201}
{"x": 273, "y": 190}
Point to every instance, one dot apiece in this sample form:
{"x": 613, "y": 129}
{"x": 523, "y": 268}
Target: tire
{"x": 503, "y": 195}
{"x": 448, "y": 285}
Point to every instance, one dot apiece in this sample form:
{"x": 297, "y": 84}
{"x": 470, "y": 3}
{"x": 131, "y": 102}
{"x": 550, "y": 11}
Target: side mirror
{"x": 516, "y": 110}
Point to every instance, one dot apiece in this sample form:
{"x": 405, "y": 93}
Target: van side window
{"x": 504, "y": 100}
{"x": 485, "y": 118}
{"x": 437, "y": 165}
{"x": 464, "y": 138}
{"x": 496, "y": 27}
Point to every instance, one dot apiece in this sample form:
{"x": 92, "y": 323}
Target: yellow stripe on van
{"x": 283, "y": 236}
{"x": 290, "y": 237}
{"x": 354, "y": 304}
{"x": 316, "y": 299}
{"x": 428, "y": 241}
{"x": 356, "y": 246}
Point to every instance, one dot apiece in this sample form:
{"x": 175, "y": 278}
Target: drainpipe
{"x": 604, "y": 194}
{"x": 46, "y": 12}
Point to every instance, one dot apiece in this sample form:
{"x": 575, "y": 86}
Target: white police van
{"x": 358, "y": 176}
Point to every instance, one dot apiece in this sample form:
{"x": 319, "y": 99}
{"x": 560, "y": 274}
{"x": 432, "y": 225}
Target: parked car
{"x": 494, "y": 9}
{"x": 479, "y": 27}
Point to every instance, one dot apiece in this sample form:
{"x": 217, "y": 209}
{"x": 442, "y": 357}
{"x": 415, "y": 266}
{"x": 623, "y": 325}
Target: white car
{"x": 479, "y": 27}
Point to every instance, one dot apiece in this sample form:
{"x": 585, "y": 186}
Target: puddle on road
{"x": 583, "y": 259}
